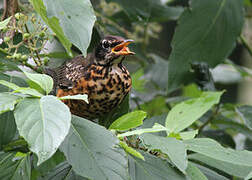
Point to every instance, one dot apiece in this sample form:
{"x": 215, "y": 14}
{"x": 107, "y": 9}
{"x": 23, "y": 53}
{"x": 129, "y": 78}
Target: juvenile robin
{"x": 100, "y": 75}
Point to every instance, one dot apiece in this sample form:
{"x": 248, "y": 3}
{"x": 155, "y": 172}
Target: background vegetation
{"x": 184, "y": 118}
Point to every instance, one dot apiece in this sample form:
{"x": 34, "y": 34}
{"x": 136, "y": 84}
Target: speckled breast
{"x": 106, "y": 88}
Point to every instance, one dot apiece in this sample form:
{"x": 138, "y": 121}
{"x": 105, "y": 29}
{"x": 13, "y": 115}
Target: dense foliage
{"x": 173, "y": 125}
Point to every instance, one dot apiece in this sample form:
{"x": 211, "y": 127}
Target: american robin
{"x": 100, "y": 75}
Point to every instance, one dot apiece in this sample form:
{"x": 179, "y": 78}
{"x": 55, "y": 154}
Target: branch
{"x": 246, "y": 45}
{"x": 39, "y": 62}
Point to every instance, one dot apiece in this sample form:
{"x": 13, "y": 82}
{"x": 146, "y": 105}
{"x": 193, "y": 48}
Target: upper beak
{"x": 122, "y": 49}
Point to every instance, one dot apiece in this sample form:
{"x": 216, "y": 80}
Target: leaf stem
{"x": 246, "y": 45}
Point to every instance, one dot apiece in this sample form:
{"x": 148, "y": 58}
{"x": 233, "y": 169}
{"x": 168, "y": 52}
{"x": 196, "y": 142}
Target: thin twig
{"x": 36, "y": 51}
{"x": 246, "y": 45}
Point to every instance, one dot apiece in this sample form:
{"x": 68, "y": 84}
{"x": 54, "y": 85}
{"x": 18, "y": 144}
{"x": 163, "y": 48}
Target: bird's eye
{"x": 105, "y": 44}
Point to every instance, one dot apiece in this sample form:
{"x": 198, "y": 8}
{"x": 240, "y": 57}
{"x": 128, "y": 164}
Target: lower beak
{"x": 122, "y": 49}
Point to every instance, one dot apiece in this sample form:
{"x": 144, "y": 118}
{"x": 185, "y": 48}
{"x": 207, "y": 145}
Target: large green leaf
{"x": 212, "y": 149}
{"x": 174, "y": 148}
{"x": 194, "y": 172}
{"x": 23, "y": 90}
{"x": 93, "y": 151}
{"x": 76, "y": 18}
{"x": 185, "y": 113}
{"x": 7, "y": 128}
{"x": 7, "y": 102}
{"x": 50, "y": 164}
{"x": 53, "y": 23}
{"x": 153, "y": 168}
{"x": 206, "y": 32}
{"x": 249, "y": 176}
{"x": 12, "y": 79}
{"x": 44, "y": 123}
{"x": 210, "y": 174}
{"x": 128, "y": 121}
{"x": 149, "y": 10}
{"x": 230, "y": 168}
{"x": 14, "y": 167}
{"x": 246, "y": 114}
{"x": 63, "y": 171}
{"x": 158, "y": 71}
{"x": 43, "y": 80}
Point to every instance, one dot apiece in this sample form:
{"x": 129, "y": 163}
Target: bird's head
{"x": 110, "y": 48}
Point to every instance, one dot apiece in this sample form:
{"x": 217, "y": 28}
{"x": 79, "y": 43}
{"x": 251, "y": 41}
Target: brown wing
{"x": 71, "y": 71}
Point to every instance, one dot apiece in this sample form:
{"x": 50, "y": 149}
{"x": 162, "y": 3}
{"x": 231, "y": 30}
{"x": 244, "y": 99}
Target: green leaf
{"x": 185, "y": 113}
{"x": 62, "y": 171}
{"x": 76, "y": 18}
{"x": 218, "y": 22}
{"x": 9, "y": 85}
{"x": 98, "y": 147}
{"x": 155, "y": 128}
{"x": 12, "y": 168}
{"x": 44, "y": 123}
{"x": 245, "y": 113}
{"x": 210, "y": 174}
{"x": 138, "y": 82}
{"x": 43, "y": 80}
{"x": 35, "y": 86}
{"x": 12, "y": 79}
{"x": 7, "y": 128}
{"x": 158, "y": 71}
{"x": 188, "y": 134}
{"x": 8, "y": 102}
{"x": 249, "y": 176}
{"x": 230, "y": 168}
{"x": 174, "y": 148}
{"x": 156, "y": 106}
{"x": 23, "y": 90}
{"x": 225, "y": 123}
{"x": 212, "y": 149}
{"x": 148, "y": 123}
{"x": 53, "y": 23}
{"x": 28, "y": 91}
{"x": 194, "y": 173}
{"x": 129, "y": 121}
{"x": 151, "y": 11}
{"x": 83, "y": 97}
{"x": 114, "y": 114}
{"x": 131, "y": 151}
{"x": 221, "y": 136}
{"x": 48, "y": 165}
{"x": 4, "y": 23}
{"x": 153, "y": 168}
{"x": 192, "y": 91}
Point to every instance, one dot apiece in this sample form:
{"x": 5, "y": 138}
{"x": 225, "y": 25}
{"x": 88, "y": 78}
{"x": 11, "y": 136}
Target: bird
{"x": 101, "y": 75}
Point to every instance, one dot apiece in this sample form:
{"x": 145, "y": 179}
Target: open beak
{"x": 122, "y": 49}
